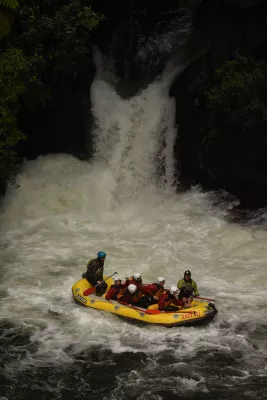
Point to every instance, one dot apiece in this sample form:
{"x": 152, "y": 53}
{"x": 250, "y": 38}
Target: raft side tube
{"x": 199, "y": 313}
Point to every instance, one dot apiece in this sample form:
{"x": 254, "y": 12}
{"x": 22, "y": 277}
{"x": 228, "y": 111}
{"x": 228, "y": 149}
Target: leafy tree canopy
{"x": 238, "y": 96}
{"x": 13, "y": 68}
{"x": 37, "y": 37}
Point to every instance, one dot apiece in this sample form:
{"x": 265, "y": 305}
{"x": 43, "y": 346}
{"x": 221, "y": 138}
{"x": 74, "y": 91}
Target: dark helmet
{"x": 188, "y": 273}
{"x": 101, "y": 254}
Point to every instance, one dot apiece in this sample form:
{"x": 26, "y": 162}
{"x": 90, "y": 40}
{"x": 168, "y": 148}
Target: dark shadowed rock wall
{"x": 238, "y": 165}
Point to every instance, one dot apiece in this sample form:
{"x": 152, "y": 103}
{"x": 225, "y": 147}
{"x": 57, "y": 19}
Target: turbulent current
{"x": 124, "y": 202}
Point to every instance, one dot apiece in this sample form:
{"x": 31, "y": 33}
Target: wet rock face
{"x": 140, "y": 37}
{"x": 62, "y": 125}
{"x": 231, "y": 162}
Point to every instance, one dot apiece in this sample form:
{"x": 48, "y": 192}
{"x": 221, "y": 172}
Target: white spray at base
{"x": 65, "y": 210}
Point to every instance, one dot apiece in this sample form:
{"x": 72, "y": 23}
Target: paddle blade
{"x": 153, "y": 312}
{"x": 89, "y": 291}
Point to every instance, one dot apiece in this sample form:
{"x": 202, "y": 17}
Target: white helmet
{"x": 136, "y": 276}
{"x": 160, "y": 279}
{"x": 132, "y": 288}
{"x": 173, "y": 289}
{"x": 117, "y": 278}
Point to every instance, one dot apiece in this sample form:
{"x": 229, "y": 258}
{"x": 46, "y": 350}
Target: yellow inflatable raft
{"x": 199, "y": 313}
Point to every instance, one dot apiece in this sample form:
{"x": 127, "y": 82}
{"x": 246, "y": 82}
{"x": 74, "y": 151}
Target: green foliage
{"x": 13, "y": 67}
{"x": 237, "y": 77}
{"x": 9, "y": 3}
{"x": 56, "y": 36}
{"x": 62, "y": 31}
{"x": 42, "y": 39}
{"x": 7, "y": 8}
{"x": 5, "y": 25}
{"x": 233, "y": 122}
{"x": 238, "y": 98}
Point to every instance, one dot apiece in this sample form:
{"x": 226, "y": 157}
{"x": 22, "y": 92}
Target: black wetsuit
{"x": 94, "y": 273}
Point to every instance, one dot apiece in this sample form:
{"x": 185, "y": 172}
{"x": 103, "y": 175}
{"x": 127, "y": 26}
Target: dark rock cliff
{"x": 236, "y": 164}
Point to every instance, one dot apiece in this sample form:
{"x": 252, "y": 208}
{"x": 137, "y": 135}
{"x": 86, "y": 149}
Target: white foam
{"x": 65, "y": 210}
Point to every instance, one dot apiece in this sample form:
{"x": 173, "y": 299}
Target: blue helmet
{"x": 101, "y": 254}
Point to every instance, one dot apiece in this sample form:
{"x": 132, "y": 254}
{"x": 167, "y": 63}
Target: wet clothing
{"x": 113, "y": 292}
{"x": 167, "y": 299}
{"x": 95, "y": 269}
{"x": 145, "y": 301}
{"x": 94, "y": 273}
{"x": 132, "y": 281}
{"x": 139, "y": 299}
{"x": 187, "y": 288}
{"x": 149, "y": 292}
{"x": 130, "y": 298}
{"x": 128, "y": 282}
{"x": 153, "y": 290}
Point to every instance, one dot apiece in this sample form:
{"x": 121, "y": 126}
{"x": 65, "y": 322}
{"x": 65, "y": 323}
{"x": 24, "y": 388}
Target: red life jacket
{"x": 130, "y": 298}
{"x": 166, "y": 299}
{"x": 113, "y": 292}
{"x": 128, "y": 282}
{"x": 152, "y": 290}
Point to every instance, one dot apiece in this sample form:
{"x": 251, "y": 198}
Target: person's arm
{"x": 126, "y": 283}
{"x": 177, "y": 302}
{"x": 153, "y": 288}
{"x": 110, "y": 294}
{"x": 181, "y": 284}
{"x": 99, "y": 272}
{"x": 146, "y": 290}
{"x": 161, "y": 301}
{"x": 137, "y": 296}
{"x": 126, "y": 299}
{"x": 92, "y": 268}
{"x": 194, "y": 286}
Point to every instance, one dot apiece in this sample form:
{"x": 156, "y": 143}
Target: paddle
{"x": 153, "y": 312}
{"x": 140, "y": 309}
{"x": 89, "y": 291}
{"x": 203, "y": 298}
{"x": 145, "y": 310}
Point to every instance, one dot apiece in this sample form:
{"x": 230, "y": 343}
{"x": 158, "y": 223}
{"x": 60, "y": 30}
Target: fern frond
{"x": 5, "y": 26}
{"x": 9, "y": 3}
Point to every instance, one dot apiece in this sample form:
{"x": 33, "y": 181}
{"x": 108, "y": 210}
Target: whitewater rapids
{"x": 124, "y": 202}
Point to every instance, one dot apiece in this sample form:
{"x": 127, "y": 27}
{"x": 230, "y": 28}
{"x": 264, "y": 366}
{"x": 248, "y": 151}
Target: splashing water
{"x": 123, "y": 202}
{"x": 134, "y": 138}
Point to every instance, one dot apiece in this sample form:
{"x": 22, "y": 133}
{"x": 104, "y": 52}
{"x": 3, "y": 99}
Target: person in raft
{"x": 168, "y": 300}
{"x": 136, "y": 280}
{"x": 131, "y": 295}
{"x": 187, "y": 287}
{"x": 114, "y": 289}
{"x": 154, "y": 291}
{"x": 94, "y": 273}
{"x": 146, "y": 295}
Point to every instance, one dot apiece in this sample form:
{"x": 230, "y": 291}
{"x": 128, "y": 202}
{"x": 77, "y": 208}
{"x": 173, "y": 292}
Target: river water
{"x": 124, "y": 202}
